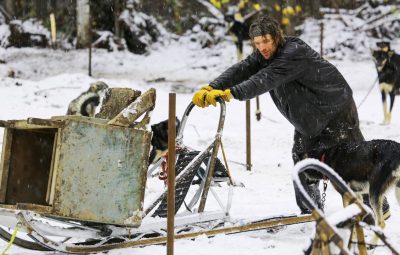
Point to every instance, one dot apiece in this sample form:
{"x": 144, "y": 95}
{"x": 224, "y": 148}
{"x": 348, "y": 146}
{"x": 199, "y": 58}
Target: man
{"x": 308, "y": 90}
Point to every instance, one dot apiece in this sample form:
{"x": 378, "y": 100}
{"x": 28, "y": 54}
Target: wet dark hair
{"x": 265, "y": 25}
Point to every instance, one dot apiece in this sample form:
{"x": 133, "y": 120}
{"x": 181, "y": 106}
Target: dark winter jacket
{"x": 308, "y": 90}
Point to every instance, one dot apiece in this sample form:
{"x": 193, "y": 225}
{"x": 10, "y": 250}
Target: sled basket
{"x": 76, "y": 168}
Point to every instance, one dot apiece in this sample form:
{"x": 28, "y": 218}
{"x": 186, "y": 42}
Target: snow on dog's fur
{"x": 367, "y": 167}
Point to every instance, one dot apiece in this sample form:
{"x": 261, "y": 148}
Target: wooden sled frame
{"x": 107, "y": 237}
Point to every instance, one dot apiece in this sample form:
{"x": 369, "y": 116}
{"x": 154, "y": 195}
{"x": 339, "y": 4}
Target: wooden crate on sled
{"x": 77, "y": 168}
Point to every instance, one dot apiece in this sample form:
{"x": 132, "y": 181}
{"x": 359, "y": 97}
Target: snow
{"x": 47, "y": 80}
{"x": 4, "y": 34}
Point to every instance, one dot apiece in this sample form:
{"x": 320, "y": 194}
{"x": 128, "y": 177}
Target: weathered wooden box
{"x": 76, "y": 168}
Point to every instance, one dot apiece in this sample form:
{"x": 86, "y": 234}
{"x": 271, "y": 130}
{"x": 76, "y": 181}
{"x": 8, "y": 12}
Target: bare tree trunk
{"x": 9, "y": 6}
{"x": 21, "y": 8}
{"x": 41, "y": 9}
{"x": 53, "y": 6}
{"x": 176, "y": 9}
{"x": 83, "y": 23}
{"x": 290, "y": 27}
{"x": 315, "y": 5}
{"x": 311, "y": 7}
{"x": 118, "y": 8}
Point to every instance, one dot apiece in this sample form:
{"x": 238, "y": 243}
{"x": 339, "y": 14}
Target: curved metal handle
{"x": 179, "y": 137}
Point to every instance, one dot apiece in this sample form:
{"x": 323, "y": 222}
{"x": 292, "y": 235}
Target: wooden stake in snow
{"x": 171, "y": 174}
{"x": 53, "y": 29}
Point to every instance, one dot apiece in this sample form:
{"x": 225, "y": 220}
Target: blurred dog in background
{"x": 238, "y": 26}
{"x": 85, "y": 104}
{"x": 388, "y": 66}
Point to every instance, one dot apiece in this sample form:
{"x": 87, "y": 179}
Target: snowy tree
{"x": 83, "y": 23}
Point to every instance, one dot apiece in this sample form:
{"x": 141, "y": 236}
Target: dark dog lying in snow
{"x": 388, "y": 66}
{"x": 367, "y": 167}
{"x": 85, "y": 104}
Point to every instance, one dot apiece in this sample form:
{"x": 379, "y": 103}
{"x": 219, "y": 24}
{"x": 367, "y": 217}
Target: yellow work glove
{"x": 212, "y": 96}
{"x": 199, "y": 98}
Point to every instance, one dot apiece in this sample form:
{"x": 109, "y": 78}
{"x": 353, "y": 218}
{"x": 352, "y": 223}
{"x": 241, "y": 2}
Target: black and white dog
{"x": 159, "y": 148}
{"x": 239, "y": 28}
{"x": 85, "y": 104}
{"x": 388, "y": 66}
{"x": 367, "y": 167}
{"x": 159, "y": 140}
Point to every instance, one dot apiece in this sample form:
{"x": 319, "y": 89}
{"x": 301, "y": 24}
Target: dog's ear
{"x": 153, "y": 128}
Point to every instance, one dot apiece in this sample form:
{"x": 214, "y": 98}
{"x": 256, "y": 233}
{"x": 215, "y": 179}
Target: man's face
{"x": 265, "y": 45}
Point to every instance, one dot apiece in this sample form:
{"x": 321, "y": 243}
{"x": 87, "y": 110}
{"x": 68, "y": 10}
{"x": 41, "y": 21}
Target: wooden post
{"x": 90, "y": 48}
{"x": 248, "y": 130}
{"x": 171, "y": 174}
{"x": 53, "y": 30}
{"x": 90, "y": 60}
{"x": 258, "y": 111}
{"x": 248, "y": 136}
{"x": 321, "y": 50}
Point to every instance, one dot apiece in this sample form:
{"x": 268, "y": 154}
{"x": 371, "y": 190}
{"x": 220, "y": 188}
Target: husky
{"x": 388, "y": 67}
{"x": 370, "y": 167}
{"x": 159, "y": 140}
{"x": 85, "y": 104}
{"x": 238, "y": 27}
{"x": 159, "y": 144}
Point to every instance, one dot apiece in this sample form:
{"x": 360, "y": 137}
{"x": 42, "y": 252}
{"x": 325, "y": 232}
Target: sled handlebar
{"x": 185, "y": 116}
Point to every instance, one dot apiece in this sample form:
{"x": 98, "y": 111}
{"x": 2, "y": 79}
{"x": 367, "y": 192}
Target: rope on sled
{"x": 12, "y": 239}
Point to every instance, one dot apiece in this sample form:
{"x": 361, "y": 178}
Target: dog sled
{"x": 76, "y": 185}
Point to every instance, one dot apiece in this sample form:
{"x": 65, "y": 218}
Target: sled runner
{"x": 76, "y": 185}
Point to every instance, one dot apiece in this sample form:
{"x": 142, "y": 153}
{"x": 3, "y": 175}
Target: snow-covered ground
{"x": 47, "y": 80}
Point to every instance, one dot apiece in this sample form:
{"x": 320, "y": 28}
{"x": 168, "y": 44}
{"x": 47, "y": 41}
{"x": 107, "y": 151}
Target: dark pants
{"x": 344, "y": 128}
